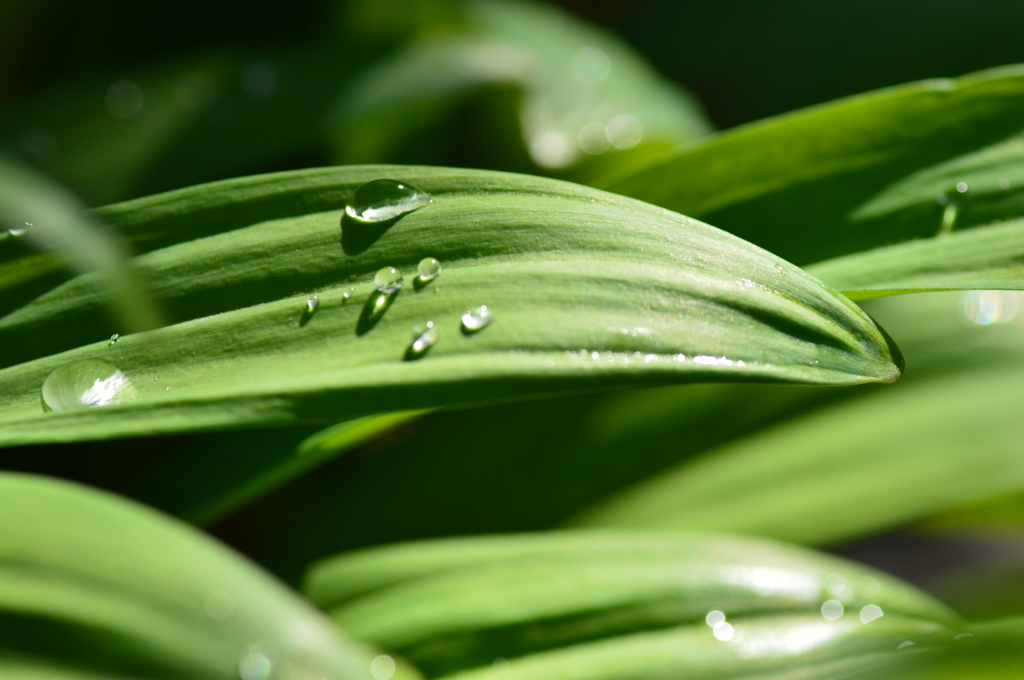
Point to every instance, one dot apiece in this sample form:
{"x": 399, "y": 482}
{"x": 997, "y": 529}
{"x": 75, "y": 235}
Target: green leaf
{"x": 91, "y": 584}
{"x": 934, "y": 443}
{"x": 981, "y": 258}
{"x": 460, "y": 603}
{"x": 785, "y": 182}
{"x": 588, "y": 290}
{"x": 57, "y": 223}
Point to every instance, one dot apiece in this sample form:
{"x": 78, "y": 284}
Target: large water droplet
{"x": 429, "y": 269}
{"x": 18, "y": 231}
{"x": 388, "y": 280}
{"x": 86, "y": 383}
{"x": 384, "y": 199}
{"x": 476, "y": 319}
{"x": 423, "y": 338}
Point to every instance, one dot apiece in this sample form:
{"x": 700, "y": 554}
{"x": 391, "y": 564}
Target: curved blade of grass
{"x": 824, "y": 478}
{"x": 987, "y": 258}
{"x": 510, "y": 595}
{"x": 219, "y": 475}
{"x": 111, "y": 586}
{"x": 795, "y": 647}
{"x": 785, "y": 182}
{"x": 59, "y": 225}
{"x": 652, "y": 297}
{"x": 571, "y": 75}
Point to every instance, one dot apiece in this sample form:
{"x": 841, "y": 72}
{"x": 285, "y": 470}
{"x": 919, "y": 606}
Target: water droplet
{"x": 429, "y": 269}
{"x": 904, "y": 645}
{"x": 870, "y": 613}
{"x": 347, "y": 295}
{"x": 961, "y": 187}
{"x": 382, "y": 667}
{"x": 624, "y": 132}
{"x": 385, "y": 199}
{"x": 1004, "y": 184}
{"x": 949, "y": 215}
{"x": 423, "y": 338}
{"x": 388, "y": 280}
{"x": 312, "y": 304}
{"x": 714, "y": 618}
{"x": 86, "y": 383}
{"x": 593, "y": 138}
{"x": 781, "y": 270}
{"x": 723, "y": 631}
{"x": 254, "y": 665}
{"x": 962, "y": 636}
{"x": 18, "y": 231}
{"x": 114, "y": 338}
{"x": 167, "y": 389}
{"x": 476, "y": 319}
{"x": 832, "y": 610}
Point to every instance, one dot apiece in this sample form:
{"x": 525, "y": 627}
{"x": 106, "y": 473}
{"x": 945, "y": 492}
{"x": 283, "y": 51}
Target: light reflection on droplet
{"x": 624, "y": 132}
{"x": 986, "y": 307}
{"x": 551, "y": 149}
{"x": 259, "y": 80}
{"x": 593, "y": 138}
{"x": 382, "y": 667}
{"x": 714, "y": 618}
{"x": 832, "y": 610}
{"x": 429, "y": 268}
{"x": 835, "y": 584}
{"x": 590, "y": 66}
{"x": 904, "y": 645}
{"x": 124, "y": 99}
{"x": 870, "y": 612}
{"x": 723, "y": 631}
{"x": 388, "y": 280}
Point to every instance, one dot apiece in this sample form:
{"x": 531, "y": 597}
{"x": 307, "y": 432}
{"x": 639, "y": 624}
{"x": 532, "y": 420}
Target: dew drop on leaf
{"x": 388, "y": 280}
{"x": 423, "y": 338}
{"x": 429, "y": 269}
{"x": 114, "y": 338}
{"x": 312, "y": 304}
{"x": 81, "y": 384}
{"x": 385, "y": 199}
{"x": 476, "y": 319}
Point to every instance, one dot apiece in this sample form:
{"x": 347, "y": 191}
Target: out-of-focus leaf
{"x": 587, "y": 289}
{"x": 794, "y": 183}
{"x": 458, "y": 603}
{"x": 584, "y": 92}
{"x": 52, "y": 218}
{"x": 105, "y": 588}
{"x": 223, "y": 473}
{"x": 865, "y": 465}
{"x": 982, "y": 258}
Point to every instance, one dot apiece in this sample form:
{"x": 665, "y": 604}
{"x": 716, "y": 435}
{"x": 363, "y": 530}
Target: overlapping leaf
{"x": 459, "y": 603}
{"x": 588, "y": 289}
{"x": 92, "y": 586}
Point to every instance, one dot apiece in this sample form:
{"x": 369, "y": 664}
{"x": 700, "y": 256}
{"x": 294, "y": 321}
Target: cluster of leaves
{"x": 615, "y": 412}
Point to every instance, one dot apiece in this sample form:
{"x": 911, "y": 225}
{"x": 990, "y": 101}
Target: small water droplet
{"x": 714, "y": 618}
{"x": 723, "y": 631}
{"x": 347, "y": 295}
{"x": 81, "y": 384}
{"x": 423, "y": 338}
{"x": 18, "y": 231}
{"x": 382, "y": 667}
{"x": 114, "y": 338}
{"x": 167, "y": 389}
{"x": 870, "y": 613}
{"x": 832, "y": 610}
{"x": 961, "y": 187}
{"x": 312, "y": 304}
{"x": 904, "y": 645}
{"x": 429, "y": 269}
{"x": 385, "y": 199}
{"x": 476, "y": 319}
{"x": 781, "y": 270}
{"x": 388, "y": 280}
